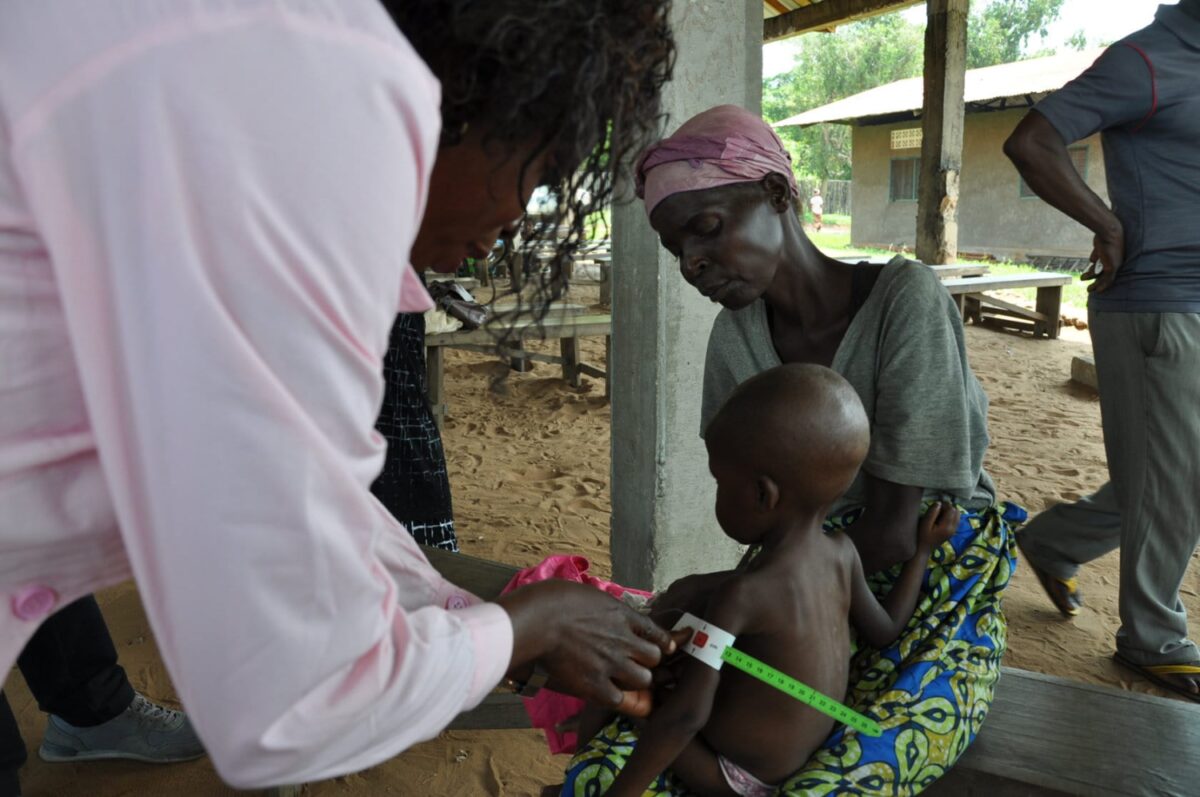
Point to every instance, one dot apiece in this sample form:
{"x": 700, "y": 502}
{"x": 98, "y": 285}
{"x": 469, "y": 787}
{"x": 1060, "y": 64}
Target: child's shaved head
{"x": 801, "y": 425}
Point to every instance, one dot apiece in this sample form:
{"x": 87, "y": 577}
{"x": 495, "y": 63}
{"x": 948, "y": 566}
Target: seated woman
{"x": 721, "y": 195}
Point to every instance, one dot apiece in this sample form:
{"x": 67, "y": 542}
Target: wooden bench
{"x": 1043, "y": 735}
{"x": 566, "y": 328}
{"x": 960, "y": 270}
{"x": 469, "y": 283}
{"x": 943, "y": 271}
{"x": 975, "y": 305}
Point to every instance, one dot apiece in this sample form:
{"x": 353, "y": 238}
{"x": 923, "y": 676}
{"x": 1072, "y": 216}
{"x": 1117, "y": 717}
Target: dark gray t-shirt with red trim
{"x": 1143, "y": 95}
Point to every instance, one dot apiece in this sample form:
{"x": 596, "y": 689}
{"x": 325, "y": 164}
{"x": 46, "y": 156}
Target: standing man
{"x": 1143, "y": 95}
{"x": 817, "y": 203}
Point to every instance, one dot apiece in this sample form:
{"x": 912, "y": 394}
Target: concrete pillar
{"x": 942, "y": 131}
{"x": 663, "y": 525}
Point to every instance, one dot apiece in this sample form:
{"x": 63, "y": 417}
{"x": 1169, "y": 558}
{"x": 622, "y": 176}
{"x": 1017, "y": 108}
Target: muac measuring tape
{"x": 714, "y": 647}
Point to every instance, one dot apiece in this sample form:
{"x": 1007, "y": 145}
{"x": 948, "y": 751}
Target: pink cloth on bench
{"x": 548, "y": 708}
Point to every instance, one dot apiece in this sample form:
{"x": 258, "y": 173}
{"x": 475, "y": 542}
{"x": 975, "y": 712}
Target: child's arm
{"x": 879, "y": 625}
{"x": 685, "y": 710}
{"x": 688, "y": 594}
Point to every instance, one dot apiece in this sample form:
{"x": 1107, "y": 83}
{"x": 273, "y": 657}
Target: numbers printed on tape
{"x": 805, "y": 694}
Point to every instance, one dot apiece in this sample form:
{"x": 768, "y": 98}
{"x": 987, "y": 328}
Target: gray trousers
{"x": 1148, "y": 366}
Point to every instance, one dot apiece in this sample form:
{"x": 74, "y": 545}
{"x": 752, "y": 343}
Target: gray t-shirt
{"x": 1143, "y": 93}
{"x": 905, "y": 356}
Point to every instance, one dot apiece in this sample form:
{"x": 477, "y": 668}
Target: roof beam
{"x": 826, "y": 15}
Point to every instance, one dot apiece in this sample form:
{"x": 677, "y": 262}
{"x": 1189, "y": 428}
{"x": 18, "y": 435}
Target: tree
{"x": 999, "y": 32}
{"x": 829, "y": 67}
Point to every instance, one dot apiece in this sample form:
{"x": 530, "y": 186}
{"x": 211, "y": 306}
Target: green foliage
{"x": 877, "y": 51}
{"x": 1000, "y": 31}
{"x": 829, "y": 67}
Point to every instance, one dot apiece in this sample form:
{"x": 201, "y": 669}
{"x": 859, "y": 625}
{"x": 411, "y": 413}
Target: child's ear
{"x": 768, "y": 493}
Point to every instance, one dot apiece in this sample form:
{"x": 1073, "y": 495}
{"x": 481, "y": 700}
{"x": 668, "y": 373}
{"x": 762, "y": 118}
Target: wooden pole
{"x": 942, "y": 131}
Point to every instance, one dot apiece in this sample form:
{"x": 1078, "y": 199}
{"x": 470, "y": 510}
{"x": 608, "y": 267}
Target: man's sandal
{"x": 1157, "y": 674}
{"x": 1063, "y": 592}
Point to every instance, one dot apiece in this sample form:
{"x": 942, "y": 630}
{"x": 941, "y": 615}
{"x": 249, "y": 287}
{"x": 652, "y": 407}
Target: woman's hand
{"x": 591, "y": 645}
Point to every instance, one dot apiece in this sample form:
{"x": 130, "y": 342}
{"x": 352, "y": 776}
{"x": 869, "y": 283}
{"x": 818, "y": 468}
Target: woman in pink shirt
{"x": 206, "y": 210}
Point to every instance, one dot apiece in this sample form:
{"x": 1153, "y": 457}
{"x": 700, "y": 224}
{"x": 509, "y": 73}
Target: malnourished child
{"x": 784, "y": 447}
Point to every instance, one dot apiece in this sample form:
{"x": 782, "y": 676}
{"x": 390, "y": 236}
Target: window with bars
{"x": 909, "y": 138}
{"x": 1079, "y": 159}
{"x": 905, "y": 179}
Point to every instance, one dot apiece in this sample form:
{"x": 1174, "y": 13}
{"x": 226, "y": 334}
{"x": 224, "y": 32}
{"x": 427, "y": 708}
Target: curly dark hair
{"x": 581, "y": 78}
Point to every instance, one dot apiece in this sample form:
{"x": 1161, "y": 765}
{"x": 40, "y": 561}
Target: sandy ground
{"x": 530, "y": 477}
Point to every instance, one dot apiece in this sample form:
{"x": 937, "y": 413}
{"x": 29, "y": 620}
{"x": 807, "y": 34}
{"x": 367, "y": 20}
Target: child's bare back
{"x": 796, "y": 607}
{"x": 785, "y": 446}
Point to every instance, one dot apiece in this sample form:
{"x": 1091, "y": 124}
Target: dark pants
{"x": 71, "y": 668}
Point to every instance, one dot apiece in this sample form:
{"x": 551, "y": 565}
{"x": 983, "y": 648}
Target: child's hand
{"x": 937, "y": 526}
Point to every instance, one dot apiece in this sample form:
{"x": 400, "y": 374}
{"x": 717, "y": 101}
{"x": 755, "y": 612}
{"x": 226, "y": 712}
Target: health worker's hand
{"x": 590, "y": 644}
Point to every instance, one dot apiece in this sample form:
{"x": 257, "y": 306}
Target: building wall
{"x": 992, "y": 216}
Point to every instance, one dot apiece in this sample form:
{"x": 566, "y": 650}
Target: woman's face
{"x": 475, "y": 194}
{"x": 729, "y": 240}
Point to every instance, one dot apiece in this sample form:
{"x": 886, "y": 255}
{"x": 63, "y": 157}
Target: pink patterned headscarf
{"x": 721, "y": 146}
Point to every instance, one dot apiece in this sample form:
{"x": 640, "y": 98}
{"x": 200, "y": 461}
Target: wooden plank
{"x": 957, "y": 270}
{"x": 435, "y": 383}
{"x": 552, "y": 328}
{"x": 481, "y": 577}
{"x": 498, "y": 711}
{"x": 1078, "y": 738}
{"x": 1009, "y": 308}
{"x": 556, "y": 311}
{"x": 570, "y": 361}
{"x": 1083, "y": 372}
{"x": 606, "y": 284}
{"x": 944, "y": 271}
{"x": 285, "y": 791}
{"x": 1049, "y": 304}
{"x": 1004, "y": 282}
{"x": 826, "y": 15}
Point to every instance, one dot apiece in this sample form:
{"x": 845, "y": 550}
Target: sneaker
{"x": 143, "y": 732}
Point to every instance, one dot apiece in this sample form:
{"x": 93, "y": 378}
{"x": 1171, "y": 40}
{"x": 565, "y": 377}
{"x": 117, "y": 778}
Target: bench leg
{"x": 1049, "y": 304}
{"x": 517, "y": 362}
{"x": 960, "y": 303}
{"x": 972, "y": 309}
{"x": 434, "y": 379}
{"x": 605, "y": 285}
{"x": 570, "y": 358}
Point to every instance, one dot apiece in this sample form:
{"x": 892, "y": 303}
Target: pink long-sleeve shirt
{"x": 206, "y": 208}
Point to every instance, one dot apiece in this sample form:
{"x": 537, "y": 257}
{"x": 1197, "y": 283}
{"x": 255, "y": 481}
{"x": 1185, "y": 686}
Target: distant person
{"x": 817, "y": 204}
{"x": 1143, "y": 96}
{"x": 783, "y": 448}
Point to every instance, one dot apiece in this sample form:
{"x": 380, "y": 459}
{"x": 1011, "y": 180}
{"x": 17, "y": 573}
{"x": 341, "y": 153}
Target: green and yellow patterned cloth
{"x": 929, "y": 690}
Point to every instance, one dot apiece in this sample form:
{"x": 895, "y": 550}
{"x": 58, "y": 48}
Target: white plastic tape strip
{"x": 707, "y": 643}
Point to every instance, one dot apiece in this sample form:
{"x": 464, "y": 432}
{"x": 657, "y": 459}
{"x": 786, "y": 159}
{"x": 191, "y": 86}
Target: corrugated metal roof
{"x": 773, "y": 8}
{"x": 1018, "y": 79}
